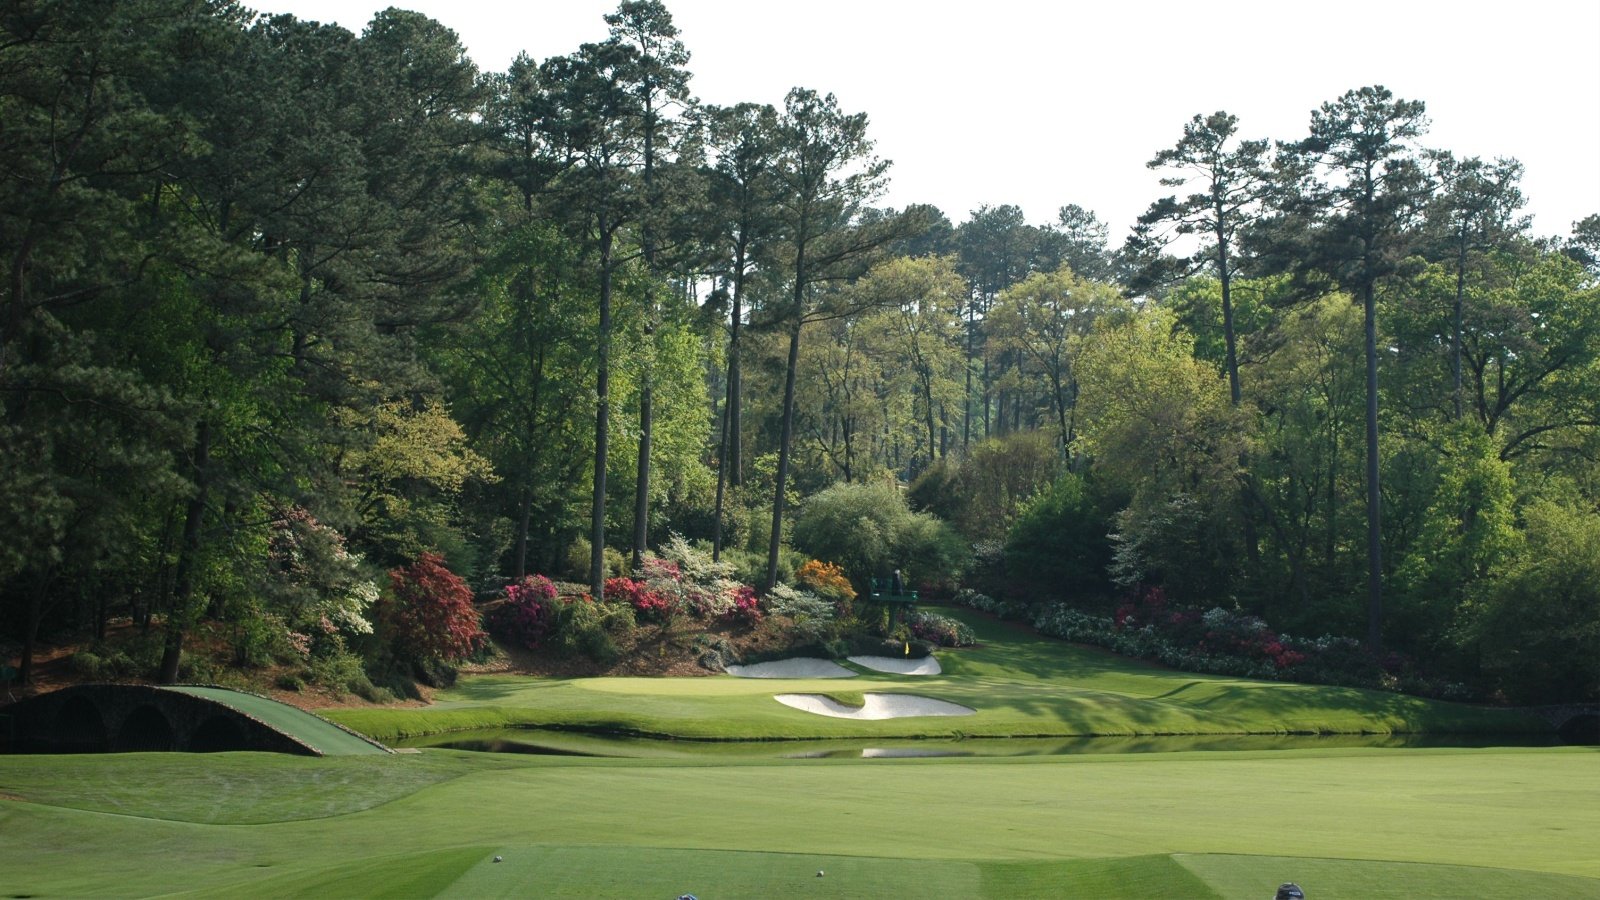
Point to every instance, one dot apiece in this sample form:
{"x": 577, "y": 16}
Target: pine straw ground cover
{"x": 1342, "y": 823}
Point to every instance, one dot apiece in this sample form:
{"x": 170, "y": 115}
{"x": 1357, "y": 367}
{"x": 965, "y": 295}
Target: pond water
{"x": 567, "y": 743}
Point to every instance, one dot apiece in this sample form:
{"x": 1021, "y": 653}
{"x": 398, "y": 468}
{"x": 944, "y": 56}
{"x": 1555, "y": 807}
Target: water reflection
{"x": 562, "y": 743}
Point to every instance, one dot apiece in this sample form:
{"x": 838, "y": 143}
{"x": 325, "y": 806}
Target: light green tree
{"x": 1158, "y": 425}
{"x": 1046, "y": 320}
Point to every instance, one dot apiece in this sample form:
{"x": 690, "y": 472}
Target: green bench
{"x": 883, "y": 592}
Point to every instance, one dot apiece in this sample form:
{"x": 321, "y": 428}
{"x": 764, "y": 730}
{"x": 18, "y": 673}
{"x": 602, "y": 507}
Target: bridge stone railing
{"x": 100, "y": 718}
{"x": 1579, "y": 723}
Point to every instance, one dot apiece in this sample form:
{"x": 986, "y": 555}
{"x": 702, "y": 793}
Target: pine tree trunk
{"x": 736, "y": 381}
{"x": 966, "y": 406}
{"x": 30, "y": 631}
{"x": 524, "y": 519}
{"x": 1374, "y": 497}
{"x": 1455, "y": 332}
{"x": 729, "y": 462}
{"x": 1252, "y": 541}
{"x": 641, "y": 485}
{"x": 641, "y": 491}
{"x": 722, "y": 488}
{"x": 183, "y": 580}
{"x": 784, "y": 439}
{"x": 602, "y": 424}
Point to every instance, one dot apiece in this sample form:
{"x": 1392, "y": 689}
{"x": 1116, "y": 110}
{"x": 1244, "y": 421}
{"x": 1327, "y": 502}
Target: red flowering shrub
{"x": 647, "y": 604}
{"x": 1148, "y": 608}
{"x": 1218, "y": 633}
{"x": 529, "y": 614}
{"x": 746, "y": 609}
{"x": 430, "y": 615}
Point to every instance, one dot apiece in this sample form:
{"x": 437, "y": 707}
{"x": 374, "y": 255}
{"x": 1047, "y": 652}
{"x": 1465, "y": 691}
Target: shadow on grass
{"x": 1153, "y": 697}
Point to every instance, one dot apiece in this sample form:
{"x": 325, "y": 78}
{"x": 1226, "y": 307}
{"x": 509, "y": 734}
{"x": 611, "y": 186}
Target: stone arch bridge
{"x": 1578, "y": 723}
{"x": 121, "y": 718}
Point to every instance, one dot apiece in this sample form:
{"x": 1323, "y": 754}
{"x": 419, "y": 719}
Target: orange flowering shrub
{"x": 826, "y": 580}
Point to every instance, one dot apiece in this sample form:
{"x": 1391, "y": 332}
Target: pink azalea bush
{"x": 649, "y": 605}
{"x": 746, "y": 608}
{"x": 529, "y": 615}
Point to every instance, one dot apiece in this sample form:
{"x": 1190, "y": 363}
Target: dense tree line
{"x": 286, "y": 307}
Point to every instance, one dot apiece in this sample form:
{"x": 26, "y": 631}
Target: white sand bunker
{"x": 874, "y": 706}
{"x": 799, "y": 667}
{"x": 899, "y": 666}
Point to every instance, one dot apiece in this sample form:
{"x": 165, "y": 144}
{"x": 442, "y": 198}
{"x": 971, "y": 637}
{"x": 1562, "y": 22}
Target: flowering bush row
{"x": 1218, "y": 642}
{"x": 941, "y": 630}
{"x": 648, "y": 604}
{"x": 682, "y": 581}
{"x": 1216, "y": 632}
{"x": 708, "y": 602}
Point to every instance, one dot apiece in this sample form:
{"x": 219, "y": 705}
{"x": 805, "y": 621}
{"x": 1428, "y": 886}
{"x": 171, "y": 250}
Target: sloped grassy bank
{"x": 1022, "y": 685}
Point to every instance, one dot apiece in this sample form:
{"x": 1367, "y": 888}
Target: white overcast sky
{"x": 1041, "y": 103}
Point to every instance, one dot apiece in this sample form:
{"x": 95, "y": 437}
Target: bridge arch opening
{"x": 79, "y": 727}
{"x": 218, "y": 734}
{"x": 145, "y": 729}
{"x": 1582, "y": 729}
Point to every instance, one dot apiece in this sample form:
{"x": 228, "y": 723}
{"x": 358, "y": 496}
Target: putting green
{"x": 1019, "y": 683}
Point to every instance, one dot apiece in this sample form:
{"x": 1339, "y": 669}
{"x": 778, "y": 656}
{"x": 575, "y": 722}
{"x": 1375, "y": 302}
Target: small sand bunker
{"x": 874, "y": 706}
{"x": 799, "y": 667}
{"x": 899, "y": 666}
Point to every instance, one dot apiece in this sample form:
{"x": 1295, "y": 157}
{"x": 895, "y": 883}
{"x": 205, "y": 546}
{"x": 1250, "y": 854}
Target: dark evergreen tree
{"x": 743, "y": 140}
{"x": 825, "y": 174}
{"x": 1362, "y": 189}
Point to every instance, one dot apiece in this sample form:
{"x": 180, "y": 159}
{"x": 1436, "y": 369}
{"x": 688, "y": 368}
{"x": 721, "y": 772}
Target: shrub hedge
{"x": 1220, "y": 642}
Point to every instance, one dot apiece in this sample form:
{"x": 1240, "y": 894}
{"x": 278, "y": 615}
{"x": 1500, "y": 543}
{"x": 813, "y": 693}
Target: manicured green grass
{"x": 231, "y": 788}
{"x": 1020, "y": 684}
{"x": 1343, "y": 823}
{"x": 578, "y": 743}
{"x": 327, "y": 738}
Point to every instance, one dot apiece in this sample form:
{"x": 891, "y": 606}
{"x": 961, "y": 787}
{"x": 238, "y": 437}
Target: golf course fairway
{"x": 1349, "y": 823}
